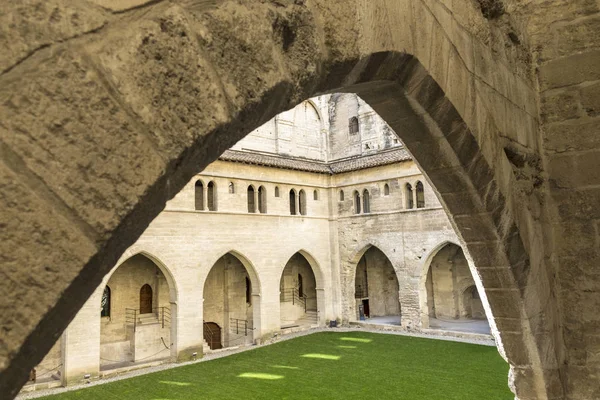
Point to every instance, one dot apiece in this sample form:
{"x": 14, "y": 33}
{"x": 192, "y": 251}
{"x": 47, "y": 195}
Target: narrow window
{"x": 386, "y": 190}
{"x": 231, "y": 188}
{"x": 366, "y": 202}
{"x": 211, "y": 195}
{"x": 353, "y": 125}
{"x": 199, "y": 195}
{"x": 292, "y": 202}
{"x": 262, "y": 200}
{"x": 420, "y": 195}
{"x": 251, "y": 205}
{"x": 105, "y": 303}
{"x": 316, "y": 195}
{"x": 248, "y": 291}
{"x": 409, "y": 196}
{"x": 276, "y": 191}
{"x": 146, "y": 299}
{"x": 302, "y": 202}
{"x": 341, "y": 195}
{"x": 356, "y": 202}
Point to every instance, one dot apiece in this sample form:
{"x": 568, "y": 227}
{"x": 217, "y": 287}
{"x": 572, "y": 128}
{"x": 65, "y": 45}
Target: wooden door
{"x": 212, "y": 335}
{"x": 146, "y": 299}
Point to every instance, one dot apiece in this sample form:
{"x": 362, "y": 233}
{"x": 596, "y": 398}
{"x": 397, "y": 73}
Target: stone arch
{"x": 314, "y": 304}
{"x": 255, "y": 286}
{"x": 398, "y": 74}
{"x": 314, "y": 264}
{"x": 252, "y": 273}
{"x": 354, "y": 261}
{"x": 140, "y": 250}
{"x": 151, "y": 255}
{"x": 423, "y": 292}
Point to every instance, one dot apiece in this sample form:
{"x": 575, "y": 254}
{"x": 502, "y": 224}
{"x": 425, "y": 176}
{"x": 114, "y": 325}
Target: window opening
{"x": 251, "y": 205}
{"x": 199, "y": 195}
{"x": 366, "y": 202}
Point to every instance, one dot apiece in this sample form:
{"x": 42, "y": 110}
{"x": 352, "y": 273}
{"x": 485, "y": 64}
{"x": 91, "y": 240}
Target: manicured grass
{"x": 327, "y": 365}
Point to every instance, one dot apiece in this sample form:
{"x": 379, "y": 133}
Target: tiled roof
{"x": 335, "y": 167}
{"x": 374, "y": 160}
{"x": 275, "y": 161}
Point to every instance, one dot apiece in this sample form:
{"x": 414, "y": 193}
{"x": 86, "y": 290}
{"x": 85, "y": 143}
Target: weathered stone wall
{"x": 107, "y": 115}
{"x": 382, "y": 284}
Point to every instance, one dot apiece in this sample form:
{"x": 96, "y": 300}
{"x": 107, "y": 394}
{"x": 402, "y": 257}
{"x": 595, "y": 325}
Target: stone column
{"x": 188, "y": 319}
{"x": 80, "y": 343}
{"x": 321, "y": 307}
{"x": 414, "y": 195}
{"x": 256, "y": 317}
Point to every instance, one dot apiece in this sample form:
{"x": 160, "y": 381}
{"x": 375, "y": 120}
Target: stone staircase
{"x": 306, "y": 322}
{"x": 147, "y": 319}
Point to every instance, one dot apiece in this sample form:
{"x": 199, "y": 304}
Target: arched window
{"x": 231, "y": 188}
{"x": 386, "y": 190}
{"x": 300, "y": 286}
{"x": 199, "y": 195}
{"x": 276, "y": 191}
{"x": 262, "y": 200}
{"x": 251, "y": 204}
{"x": 366, "y": 202}
{"x": 211, "y": 194}
{"x": 316, "y": 195}
{"x": 302, "y": 202}
{"x": 353, "y": 125}
{"x": 105, "y": 303}
{"x": 146, "y": 299}
{"x": 292, "y": 202}
{"x": 420, "y": 195}
{"x": 356, "y": 202}
{"x": 341, "y": 195}
{"x": 409, "y": 196}
{"x": 248, "y": 291}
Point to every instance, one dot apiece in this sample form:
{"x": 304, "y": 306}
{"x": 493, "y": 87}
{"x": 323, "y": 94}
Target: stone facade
{"x": 235, "y": 247}
{"x": 109, "y": 108}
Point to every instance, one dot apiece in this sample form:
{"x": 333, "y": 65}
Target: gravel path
{"x": 225, "y": 353}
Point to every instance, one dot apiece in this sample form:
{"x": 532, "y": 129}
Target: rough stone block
{"x": 590, "y": 100}
{"x": 572, "y": 135}
{"x": 580, "y": 67}
{"x": 560, "y": 106}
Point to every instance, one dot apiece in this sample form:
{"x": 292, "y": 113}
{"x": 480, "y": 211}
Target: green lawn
{"x": 328, "y": 365}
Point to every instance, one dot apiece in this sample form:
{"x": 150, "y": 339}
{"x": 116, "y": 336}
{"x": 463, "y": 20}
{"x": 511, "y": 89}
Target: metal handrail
{"x": 293, "y": 295}
{"x": 235, "y": 325}
{"x": 163, "y": 314}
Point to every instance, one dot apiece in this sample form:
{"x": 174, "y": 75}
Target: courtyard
{"x": 330, "y": 365}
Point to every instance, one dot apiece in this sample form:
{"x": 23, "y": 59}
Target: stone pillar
{"x": 256, "y": 209}
{"x": 413, "y": 193}
{"x": 80, "y": 343}
{"x": 256, "y": 317}
{"x": 321, "y": 307}
{"x": 205, "y": 196}
{"x": 189, "y": 329}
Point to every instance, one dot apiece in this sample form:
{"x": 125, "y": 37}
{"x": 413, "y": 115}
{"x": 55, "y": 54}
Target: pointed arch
{"x": 211, "y": 196}
{"x": 251, "y": 199}
{"x": 199, "y": 195}
{"x": 293, "y": 202}
{"x": 420, "y": 194}
{"x": 357, "y": 208}
{"x": 366, "y": 202}
{"x": 302, "y": 202}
